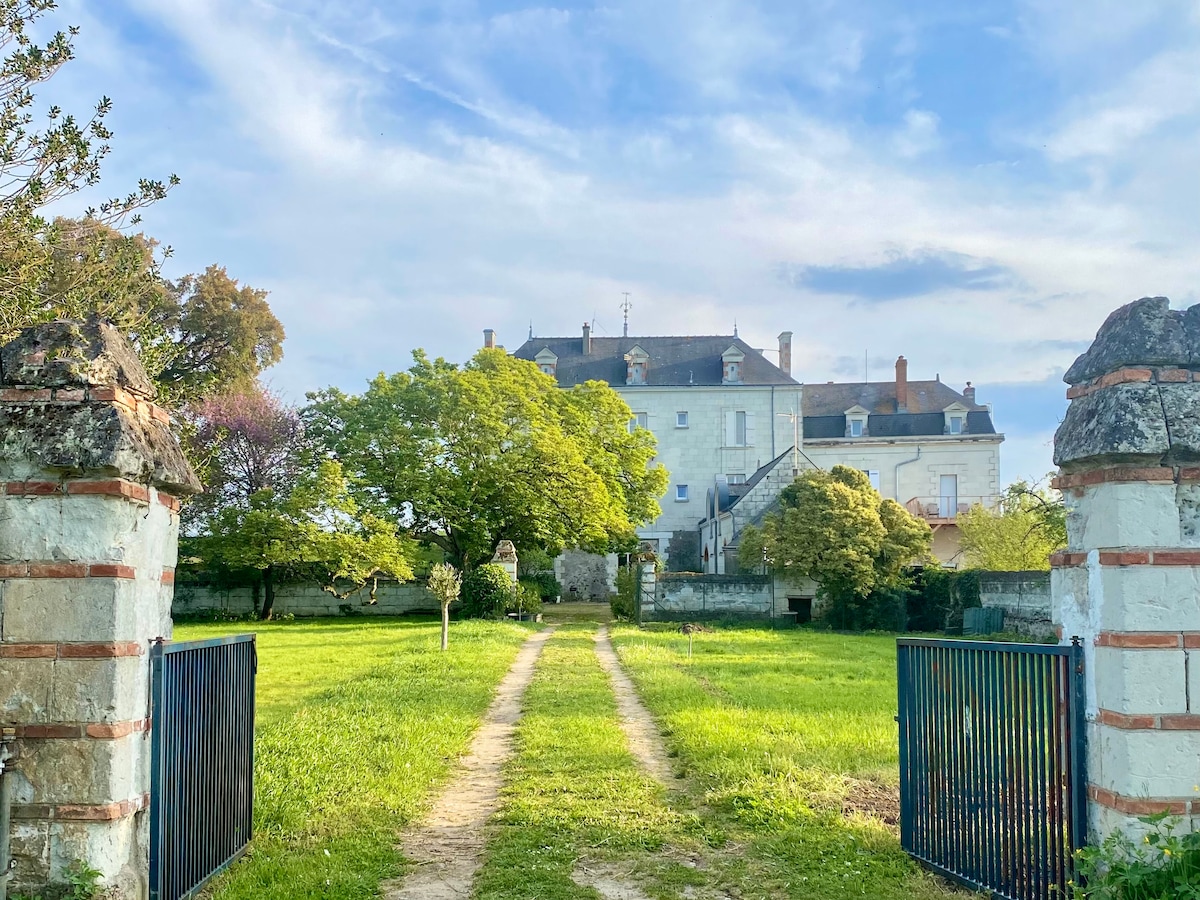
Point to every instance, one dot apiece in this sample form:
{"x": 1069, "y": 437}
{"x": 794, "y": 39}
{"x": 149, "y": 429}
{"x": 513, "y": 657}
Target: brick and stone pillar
{"x": 1129, "y": 581}
{"x": 90, "y": 481}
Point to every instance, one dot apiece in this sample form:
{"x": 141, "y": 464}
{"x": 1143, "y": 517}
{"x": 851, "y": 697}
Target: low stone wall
{"x": 1024, "y": 597}
{"x": 305, "y": 600}
{"x": 712, "y": 595}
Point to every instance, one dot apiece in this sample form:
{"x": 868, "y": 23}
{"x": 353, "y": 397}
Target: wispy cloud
{"x": 901, "y": 276}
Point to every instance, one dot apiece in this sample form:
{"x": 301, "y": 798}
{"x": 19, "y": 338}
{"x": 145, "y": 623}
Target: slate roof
{"x": 880, "y": 397}
{"x": 896, "y": 425}
{"x": 673, "y": 360}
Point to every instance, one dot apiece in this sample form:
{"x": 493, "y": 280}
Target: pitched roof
{"x": 673, "y": 360}
{"x": 895, "y": 425}
{"x": 880, "y": 397}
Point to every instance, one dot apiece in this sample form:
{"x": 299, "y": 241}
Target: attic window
{"x": 956, "y": 419}
{"x": 856, "y": 422}
{"x": 956, "y": 424}
{"x": 733, "y": 372}
{"x": 637, "y": 366}
{"x": 856, "y": 427}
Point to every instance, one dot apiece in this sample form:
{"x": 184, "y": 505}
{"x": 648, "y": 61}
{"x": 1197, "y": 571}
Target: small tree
{"x": 487, "y": 591}
{"x": 834, "y": 528}
{"x": 1019, "y": 535}
{"x": 444, "y": 584}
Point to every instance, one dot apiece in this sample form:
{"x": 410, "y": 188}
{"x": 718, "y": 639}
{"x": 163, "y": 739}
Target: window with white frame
{"x": 739, "y": 428}
{"x": 681, "y": 419}
{"x": 873, "y": 475}
{"x": 736, "y": 477}
{"x": 856, "y": 427}
{"x": 639, "y": 420}
{"x": 956, "y": 424}
{"x": 681, "y": 493}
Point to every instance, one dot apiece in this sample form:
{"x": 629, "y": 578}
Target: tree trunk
{"x": 256, "y": 594}
{"x": 445, "y": 625}
{"x": 268, "y": 578}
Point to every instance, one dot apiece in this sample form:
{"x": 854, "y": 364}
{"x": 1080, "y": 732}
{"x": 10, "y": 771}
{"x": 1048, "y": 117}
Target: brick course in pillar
{"x": 90, "y": 477}
{"x": 1129, "y": 581}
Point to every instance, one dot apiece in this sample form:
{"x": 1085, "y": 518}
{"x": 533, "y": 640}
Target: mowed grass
{"x": 572, "y": 788}
{"x": 357, "y": 724}
{"x": 777, "y": 729}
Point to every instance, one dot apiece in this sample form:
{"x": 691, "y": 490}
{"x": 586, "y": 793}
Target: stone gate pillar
{"x": 89, "y": 479}
{"x": 1129, "y": 581}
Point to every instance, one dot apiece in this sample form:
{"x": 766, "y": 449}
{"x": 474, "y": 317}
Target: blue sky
{"x": 973, "y": 185}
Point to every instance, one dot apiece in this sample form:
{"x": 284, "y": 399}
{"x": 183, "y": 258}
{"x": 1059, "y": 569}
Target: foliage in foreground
{"x": 834, "y": 528}
{"x": 624, "y": 602}
{"x": 1165, "y": 866}
{"x": 1019, "y": 535}
{"x": 358, "y": 724}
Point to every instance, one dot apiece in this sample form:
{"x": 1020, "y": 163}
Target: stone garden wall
{"x": 681, "y": 595}
{"x": 1025, "y": 598}
{"x": 305, "y": 600}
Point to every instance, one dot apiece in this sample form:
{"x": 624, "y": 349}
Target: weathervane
{"x": 626, "y": 306}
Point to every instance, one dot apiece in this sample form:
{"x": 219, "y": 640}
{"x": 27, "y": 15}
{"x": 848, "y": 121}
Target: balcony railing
{"x": 943, "y": 510}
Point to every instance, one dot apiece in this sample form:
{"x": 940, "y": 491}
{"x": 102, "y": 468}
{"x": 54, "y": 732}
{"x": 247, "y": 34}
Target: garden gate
{"x": 201, "y": 789}
{"x": 992, "y": 786}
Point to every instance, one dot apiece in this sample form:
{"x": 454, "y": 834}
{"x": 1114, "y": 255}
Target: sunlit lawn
{"x": 777, "y": 728}
{"x": 357, "y": 723}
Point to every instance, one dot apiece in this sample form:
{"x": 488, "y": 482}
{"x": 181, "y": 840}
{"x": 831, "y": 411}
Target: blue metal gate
{"x": 992, "y": 783}
{"x": 201, "y": 791}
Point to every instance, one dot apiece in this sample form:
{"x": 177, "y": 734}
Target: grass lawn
{"x": 782, "y": 732}
{"x": 357, "y": 724}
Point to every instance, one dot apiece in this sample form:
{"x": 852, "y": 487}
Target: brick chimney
{"x": 969, "y": 394}
{"x": 901, "y": 385}
{"x": 489, "y": 339}
{"x": 587, "y": 339}
{"x": 785, "y": 352}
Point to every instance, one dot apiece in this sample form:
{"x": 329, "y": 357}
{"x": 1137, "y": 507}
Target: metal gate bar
{"x": 992, "y": 782}
{"x": 202, "y": 760}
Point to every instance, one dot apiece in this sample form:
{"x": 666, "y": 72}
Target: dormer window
{"x": 856, "y": 422}
{"x": 637, "y": 366}
{"x": 956, "y": 418}
{"x": 547, "y": 361}
{"x": 731, "y": 366}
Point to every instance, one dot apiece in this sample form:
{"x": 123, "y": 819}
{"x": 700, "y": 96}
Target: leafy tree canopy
{"x": 834, "y": 528}
{"x": 275, "y": 508}
{"x": 468, "y": 456}
{"x": 1029, "y": 524}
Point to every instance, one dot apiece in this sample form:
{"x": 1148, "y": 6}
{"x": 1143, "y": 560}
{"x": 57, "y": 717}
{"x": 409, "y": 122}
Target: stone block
{"x": 1133, "y": 514}
{"x": 1118, "y": 423}
{"x": 28, "y": 690}
{"x": 100, "y": 690}
{"x": 115, "y": 849}
{"x": 83, "y": 772}
{"x": 1193, "y": 667}
{"x": 1181, "y": 403}
{"x": 1137, "y": 682}
{"x": 70, "y": 609}
{"x": 1147, "y": 598}
{"x": 31, "y": 855}
{"x": 1153, "y": 764}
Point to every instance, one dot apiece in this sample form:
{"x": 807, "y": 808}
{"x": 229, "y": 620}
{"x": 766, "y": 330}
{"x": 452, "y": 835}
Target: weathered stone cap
{"x": 73, "y": 354}
{"x": 1146, "y": 332}
{"x": 72, "y": 404}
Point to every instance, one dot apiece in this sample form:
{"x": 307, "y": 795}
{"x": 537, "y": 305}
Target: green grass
{"x": 358, "y": 723}
{"x": 776, "y": 729}
{"x": 572, "y": 788}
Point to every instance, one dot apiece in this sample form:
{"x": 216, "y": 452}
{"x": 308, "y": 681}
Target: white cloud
{"x": 919, "y": 134}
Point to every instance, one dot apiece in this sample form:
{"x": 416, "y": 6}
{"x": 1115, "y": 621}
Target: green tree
{"x": 487, "y": 591}
{"x": 834, "y": 528}
{"x": 1028, "y": 525}
{"x": 445, "y": 582}
{"x": 274, "y": 508}
{"x": 468, "y": 456}
{"x": 43, "y": 161}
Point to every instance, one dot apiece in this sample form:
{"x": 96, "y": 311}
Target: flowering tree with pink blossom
{"x": 273, "y": 507}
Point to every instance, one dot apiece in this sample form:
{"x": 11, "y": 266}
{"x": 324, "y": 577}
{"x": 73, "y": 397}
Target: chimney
{"x": 489, "y": 339}
{"x": 901, "y": 385}
{"x": 785, "y": 352}
{"x": 587, "y": 339}
{"x": 969, "y": 394}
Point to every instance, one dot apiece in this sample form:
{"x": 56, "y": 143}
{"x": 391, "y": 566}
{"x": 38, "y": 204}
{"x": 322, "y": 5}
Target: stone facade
{"x": 90, "y": 474}
{"x": 1025, "y": 598}
{"x": 586, "y": 576}
{"x": 306, "y": 600}
{"x": 1128, "y": 583}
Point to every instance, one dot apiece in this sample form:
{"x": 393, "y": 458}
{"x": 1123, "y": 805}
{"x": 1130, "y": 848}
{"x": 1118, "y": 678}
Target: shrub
{"x": 1165, "y": 866}
{"x": 547, "y": 586}
{"x": 527, "y": 598}
{"x": 486, "y": 591}
{"x": 624, "y": 601}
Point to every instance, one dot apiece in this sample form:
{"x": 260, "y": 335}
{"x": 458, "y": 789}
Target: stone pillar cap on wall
{"x": 506, "y": 552}
{"x": 66, "y": 354}
{"x": 1134, "y": 400}
{"x": 74, "y": 399}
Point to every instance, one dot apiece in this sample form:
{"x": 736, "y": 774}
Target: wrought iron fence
{"x": 201, "y": 794}
{"x": 992, "y": 783}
